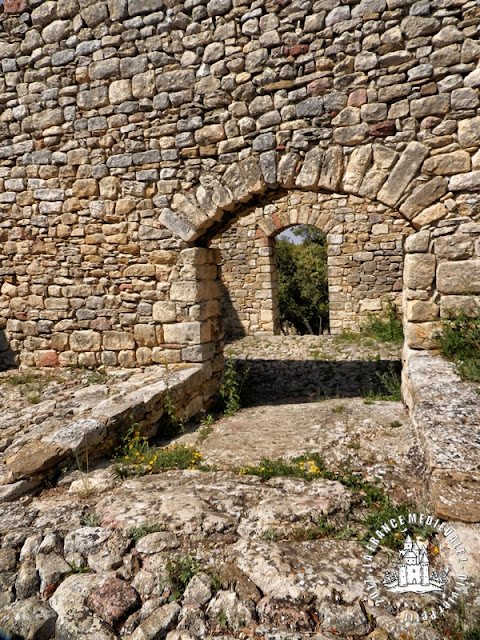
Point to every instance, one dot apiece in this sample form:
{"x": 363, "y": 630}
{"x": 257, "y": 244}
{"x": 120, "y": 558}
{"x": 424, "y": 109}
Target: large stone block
{"x": 85, "y": 341}
{"x": 164, "y": 312}
{"x": 448, "y": 164}
{"x": 356, "y": 168}
{"x": 465, "y": 181}
{"x": 421, "y": 311}
{"x": 332, "y": 169}
{"x": 421, "y": 335}
{"x": 469, "y": 132}
{"x": 403, "y": 173}
{"x": 423, "y": 196}
{"x": 456, "y": 247}
{"x": 461, "y": 278}
{"x": 118, "y": 340}
{"x": 187, "y": 332}
{"x": 436, "y": 212}
{"x": 419, "y": 270}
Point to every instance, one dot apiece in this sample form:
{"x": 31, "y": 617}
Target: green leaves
{"x": 302, "y": 281}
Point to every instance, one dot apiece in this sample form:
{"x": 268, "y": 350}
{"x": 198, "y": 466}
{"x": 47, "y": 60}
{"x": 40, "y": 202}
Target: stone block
{"x": 104, "y": 69}
{"x": 118, "y": 340}
{"x": 403, "y": 173}
{"x": 465, "y": 181}
{"x": 419, "y": 270}
{"x": 187, "y": 332}
{"x": 119, "y": 91}
{"x": 421, "y": 335}
{"x": 423, "y": 196}
{"x": 332, "y": 169}
{"x": 436, "y": 212}
{"x": 210, "y": 134}
{"x": 310, "y": 171}
{"x": 421, "y": 311}
{"x": 85, "y": 341}
{"x": 469, "y": 132}
{"x": 145, "y": 335}
{"x": 34, "y": 458}
{"x": 455, "y": 247}
{"x": 139, "y": 271}
{"x": 430, "y": 105}
{"x": 453, "y": 305}
{"x": 85, "y": 187}
{"x": 461, "y": 278}
{"x": 448, "y": 164}
{"x": 143, "y": 85}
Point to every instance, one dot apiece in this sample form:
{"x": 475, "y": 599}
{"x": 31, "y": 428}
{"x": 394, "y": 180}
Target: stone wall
{"x": 133, "y": 131}
{"x": 365, "y": 260}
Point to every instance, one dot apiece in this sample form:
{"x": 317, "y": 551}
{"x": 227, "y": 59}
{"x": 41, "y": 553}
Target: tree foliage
{"x": 302, "y": 281}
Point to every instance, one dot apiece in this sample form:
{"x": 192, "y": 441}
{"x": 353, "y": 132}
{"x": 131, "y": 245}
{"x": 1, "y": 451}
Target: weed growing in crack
{"x": 144, "y": 529}
{"x": 231, "y": 388}
{"x": 180, "y": 570}
{"x": 90, "y": 519}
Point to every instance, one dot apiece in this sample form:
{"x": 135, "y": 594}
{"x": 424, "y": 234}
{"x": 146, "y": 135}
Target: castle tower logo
{"x": 427, "y": 576}
{"x": 413, "y": 571}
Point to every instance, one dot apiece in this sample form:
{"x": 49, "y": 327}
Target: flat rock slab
{"x": 216, "y": 502}
{"x": 377, "y": 440}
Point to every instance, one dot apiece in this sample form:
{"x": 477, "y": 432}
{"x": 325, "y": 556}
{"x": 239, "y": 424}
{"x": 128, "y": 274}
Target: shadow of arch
{"x": 292, "y": 381}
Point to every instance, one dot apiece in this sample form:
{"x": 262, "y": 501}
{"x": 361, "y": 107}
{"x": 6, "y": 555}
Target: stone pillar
{"x": 190, "y": 318}
{"x": 420, "y": 299}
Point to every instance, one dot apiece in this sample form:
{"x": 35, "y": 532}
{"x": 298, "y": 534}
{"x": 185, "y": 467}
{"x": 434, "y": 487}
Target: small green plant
{"x": 96, "y": 377}
{"x": 135, "y": 457}
{"x": 271, "y": 535}
{"x": 395, "y": 423}
{"x": 311, "y": 466}
{"x": 459, "y": 341}
{"x": 323, "y": 529}
{"x": 142, "y": 530}
{"x": 386, "y": 328}
{"x": 392, "y": 384}
{"x": 222, "y": 619}
{"x": 90, "y": 519}
{"x": 354, "y": 445}
{"x": 473, "y": 633}
{"x": 340, "y": 408}
{"x": 231, "y": 388}
{"x": 76, "y": 569}
{"x": 180, "y": 571}
{"x": 206, "y": 427}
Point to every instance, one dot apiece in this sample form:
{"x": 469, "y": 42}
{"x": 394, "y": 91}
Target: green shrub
{"x": 459, "y": 341}
{"x": 387, "y": 328}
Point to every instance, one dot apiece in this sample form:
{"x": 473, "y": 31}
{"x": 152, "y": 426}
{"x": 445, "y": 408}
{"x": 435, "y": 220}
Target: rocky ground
{"x": 191, "y": 554}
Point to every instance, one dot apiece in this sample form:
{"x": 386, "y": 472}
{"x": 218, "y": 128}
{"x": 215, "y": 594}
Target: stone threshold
{"x": 445, "y": 412}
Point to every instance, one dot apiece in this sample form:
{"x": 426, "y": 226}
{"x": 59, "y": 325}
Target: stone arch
{"x": 365, "y": 258}
{"x": 373, "y": 171}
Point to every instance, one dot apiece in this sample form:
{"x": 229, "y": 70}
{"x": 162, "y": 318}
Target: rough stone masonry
{"x": 132, "y": 133}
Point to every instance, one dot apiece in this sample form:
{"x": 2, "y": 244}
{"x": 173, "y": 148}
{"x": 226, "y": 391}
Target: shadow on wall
{"x": 7, "y": 357}
{"x": 291, "y": 381}
{"x": 232, "y": 324}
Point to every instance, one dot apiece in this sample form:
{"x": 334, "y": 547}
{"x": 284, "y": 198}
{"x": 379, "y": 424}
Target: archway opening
{"x": 301, "y": 260}
{"x": 361, "y": 276}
